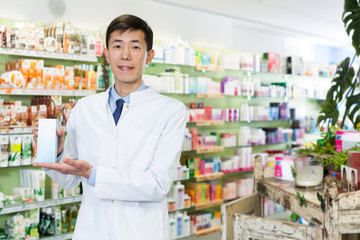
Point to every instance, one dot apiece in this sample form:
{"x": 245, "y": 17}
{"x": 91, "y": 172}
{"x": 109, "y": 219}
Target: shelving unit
{"x": 46, "y": 92}
{"x": 11, "y": 174}
{"x": 206, "y": 177}
{"x": 44, "y": 54}
{"x": 209, "y": 204}
{"x": 64, "y": 236}
{"x": 210, "y": 149}
{"x": 213, "y": 72}
{"x": 340, "y": 216}
{"x": 210, "y": 122}
{"x": 47, "y": 203}
{"x": 209, "y": 95}
{"x": 208, "y": 231}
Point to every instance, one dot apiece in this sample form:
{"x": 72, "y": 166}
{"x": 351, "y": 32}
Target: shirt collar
{"x": 114, "y": 96}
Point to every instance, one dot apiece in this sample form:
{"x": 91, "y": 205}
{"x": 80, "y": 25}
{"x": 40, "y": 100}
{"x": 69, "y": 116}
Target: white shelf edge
{"x": 64, "y": 236}
{"x": 44, "y": 54}
{"x": 42, "y": 204}
{"x": 46, "y": 92}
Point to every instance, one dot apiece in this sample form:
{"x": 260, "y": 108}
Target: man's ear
{"x": 149, "y": 56}
{"x": 106, "y": 53}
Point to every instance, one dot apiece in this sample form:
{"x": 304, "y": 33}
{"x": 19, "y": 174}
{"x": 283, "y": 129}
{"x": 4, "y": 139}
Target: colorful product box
{"x": 283, "y": 166}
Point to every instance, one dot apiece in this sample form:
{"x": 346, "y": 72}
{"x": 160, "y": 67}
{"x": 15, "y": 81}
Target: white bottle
{"x": 179, "y": 190}
{"x": 186, "y": 225}
{"x": 179, "y": 224}
{"x": 172, "y": 230}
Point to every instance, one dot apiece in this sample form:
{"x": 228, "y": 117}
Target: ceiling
{"x": 308, "y": 18}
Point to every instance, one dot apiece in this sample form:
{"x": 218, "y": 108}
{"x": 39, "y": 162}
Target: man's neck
{"x": 124, "y": 89}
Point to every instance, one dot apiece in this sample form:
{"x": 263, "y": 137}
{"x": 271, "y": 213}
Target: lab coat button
{"x": 112, "y": 201}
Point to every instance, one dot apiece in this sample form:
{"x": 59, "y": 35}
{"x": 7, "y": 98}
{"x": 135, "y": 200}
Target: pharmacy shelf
{"x": 20, "y": 130}
{"x": 210, "y": 149}
{"x": 47, "y": 203}
{"x": 181, "y": 209}
{"x": 210, "y": 122}
{"x": 207, "y": 231}
{"x": 222, "y": 148}
{"x": 46, "y": 92}
{"x": 209, "y": 204}
{"x": 209, "y": 68}
{"x": 64, "y": 236}
{"x": 206, "y": 177}
{"x": 21, "y": 166}
{"x": 44, "y": 54}
{"x": 209, "y": 95}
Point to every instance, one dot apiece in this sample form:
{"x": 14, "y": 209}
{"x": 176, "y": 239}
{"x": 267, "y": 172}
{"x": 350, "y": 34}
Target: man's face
{"x": 127, "y": 56}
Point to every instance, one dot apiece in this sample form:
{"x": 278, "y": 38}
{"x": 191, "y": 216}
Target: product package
{"x": 354, "y": 162}
{"x": 26, "y": 150}
{"x": 15, "y": 148}
{"x": 283, "y": 166}
{"x": 4, "y": 146}
{"x": 47, "y": 141}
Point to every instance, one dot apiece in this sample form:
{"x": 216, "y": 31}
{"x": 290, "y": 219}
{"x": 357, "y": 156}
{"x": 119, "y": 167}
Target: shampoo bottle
{"x": 186, "y": 225}
{"x": 179, "y": 224}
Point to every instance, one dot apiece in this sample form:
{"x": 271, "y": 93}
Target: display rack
{"x": 43, "y": 204}
{"x": 340, "y": 215}
{"x": 64, "y": 236}
{"x": 206, "y": 177}
{"x": 209, "y": 204}
{"x": 46, "y": 92}
{"x": 210, "y": 122}
{"x": 208, "y": 231}
{"x": 210, "y": 149}
{"x": 209, "y": 95}
{"x": 44, "y": 54}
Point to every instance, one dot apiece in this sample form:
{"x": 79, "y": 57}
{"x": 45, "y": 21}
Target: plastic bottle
{"x": 179, "y": 190}
{"x": 186, "y": 225}
{"x": 179, "y": 224}
{"x": 98, "y": 45}
{"x": 172, "y": 229}
{"x": 91, "y": 78}
{"x": 42, "y": 221}
{"x": 99, "y": 78}
{"x": 74, "y": 213}
{"x": 91, "y": 44}
{"x": 49, "y": 222}
{"x": 64, "y": 222}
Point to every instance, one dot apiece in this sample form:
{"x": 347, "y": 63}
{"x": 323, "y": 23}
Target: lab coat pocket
{"x": 142, "y": 146}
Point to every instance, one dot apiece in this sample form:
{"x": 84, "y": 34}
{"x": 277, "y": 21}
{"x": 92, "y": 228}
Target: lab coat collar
{"x": 134, "y": 96}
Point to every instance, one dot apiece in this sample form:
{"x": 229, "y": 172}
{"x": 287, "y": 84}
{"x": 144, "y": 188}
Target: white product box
{"x": 47, "y": 141}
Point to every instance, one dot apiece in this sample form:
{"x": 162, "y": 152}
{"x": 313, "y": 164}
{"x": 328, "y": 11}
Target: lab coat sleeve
{"x": 151, "y": 184}
{"x": 67, "y": 181}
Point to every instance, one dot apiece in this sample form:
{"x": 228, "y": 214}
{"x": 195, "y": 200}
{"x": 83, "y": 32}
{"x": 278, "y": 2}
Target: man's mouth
{"x": 126, "y": 68}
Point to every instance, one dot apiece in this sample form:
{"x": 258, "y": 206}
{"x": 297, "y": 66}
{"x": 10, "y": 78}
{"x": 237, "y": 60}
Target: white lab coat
{"x": 135, "y": 162}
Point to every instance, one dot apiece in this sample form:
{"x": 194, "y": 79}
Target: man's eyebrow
{"x": 119, "y": 40}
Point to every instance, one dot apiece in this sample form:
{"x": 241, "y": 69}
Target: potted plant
{"x": 342, "y": 93}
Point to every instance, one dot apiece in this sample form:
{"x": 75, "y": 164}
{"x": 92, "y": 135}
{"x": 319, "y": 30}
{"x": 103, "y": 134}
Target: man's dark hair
{"x": 130, "y": 22}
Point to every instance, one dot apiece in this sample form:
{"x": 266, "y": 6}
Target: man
{"x": 127, "y": 165}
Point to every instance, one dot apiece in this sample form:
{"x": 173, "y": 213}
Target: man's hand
{"x": 69, "y": 166}
{"x": 60, "y": 133}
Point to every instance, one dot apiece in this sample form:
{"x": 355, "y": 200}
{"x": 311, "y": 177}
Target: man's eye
{"x": 116, "y": 46}
{"x": 136, "y": 47}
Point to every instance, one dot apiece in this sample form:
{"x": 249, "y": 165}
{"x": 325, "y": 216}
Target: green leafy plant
{"x": 342, "y": 92}
{"x": 322, "y": 201}
{"x": 345, "y": 81}
{"x": 302, "y": 200}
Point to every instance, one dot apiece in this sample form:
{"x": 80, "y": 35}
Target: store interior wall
{"x": 169, "y": 21}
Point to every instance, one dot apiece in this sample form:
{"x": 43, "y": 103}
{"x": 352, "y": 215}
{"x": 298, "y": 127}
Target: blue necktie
{"x": 118, "y": 110}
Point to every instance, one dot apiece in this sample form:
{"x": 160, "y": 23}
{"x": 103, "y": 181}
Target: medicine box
{"x": 47, "y": 141}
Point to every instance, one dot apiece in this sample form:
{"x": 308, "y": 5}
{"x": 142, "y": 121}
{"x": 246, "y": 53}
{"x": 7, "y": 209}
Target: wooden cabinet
{"x": 244, "y": 219}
